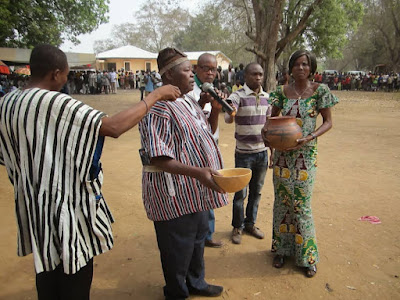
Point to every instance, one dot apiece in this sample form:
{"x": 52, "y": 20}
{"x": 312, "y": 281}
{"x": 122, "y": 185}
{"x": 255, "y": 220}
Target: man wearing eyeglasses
{"x": 206, "y": 71}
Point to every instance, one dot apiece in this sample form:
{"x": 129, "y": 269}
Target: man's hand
{"x": 215, "y": 104}
{"x": 205, "y": 177}
{"x": 167, "y": 92}
{"x": 264, "y": 132}
{"x": 205, "y": 98}
{"x": 271, "y": 159}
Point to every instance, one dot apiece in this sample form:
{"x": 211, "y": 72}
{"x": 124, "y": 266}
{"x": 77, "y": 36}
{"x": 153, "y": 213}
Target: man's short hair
{"x": 46, "y": 58}
{"x": 206, "y": 56}
{"x": 247, "y": 68}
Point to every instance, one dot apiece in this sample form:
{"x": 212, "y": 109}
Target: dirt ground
{"x": 358, "y": 175}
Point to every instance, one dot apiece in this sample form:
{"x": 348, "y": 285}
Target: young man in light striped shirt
{"x": 251, "y": 104}
{"x": 51, "y": 145}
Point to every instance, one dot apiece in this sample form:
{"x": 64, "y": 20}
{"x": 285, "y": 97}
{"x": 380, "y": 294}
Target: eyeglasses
{"x": 208, "y": 69}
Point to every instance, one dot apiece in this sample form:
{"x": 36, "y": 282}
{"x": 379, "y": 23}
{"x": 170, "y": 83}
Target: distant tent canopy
{"x": 23, "y": 71}
{"x": 4, "y": 69}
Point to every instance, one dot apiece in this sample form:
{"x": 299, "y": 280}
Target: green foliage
{"x": 217, "y": 27}
{"x": 26, "y": 23}
{"x": 378, "y": 40}
{"x": 327, "y": 29}
{"x": 331, "y": 25}
{"x": 204, "y": 33}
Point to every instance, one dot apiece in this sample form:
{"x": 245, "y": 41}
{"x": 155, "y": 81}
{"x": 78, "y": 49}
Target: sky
{"x": 120, "y": 11}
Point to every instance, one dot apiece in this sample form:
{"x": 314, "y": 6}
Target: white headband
{"x": 173, "y": 64}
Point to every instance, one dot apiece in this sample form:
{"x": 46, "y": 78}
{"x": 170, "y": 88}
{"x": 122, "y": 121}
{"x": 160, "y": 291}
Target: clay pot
{"x": 282, "y": 132}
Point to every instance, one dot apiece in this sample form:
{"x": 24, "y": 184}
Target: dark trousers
{"x": 181, "y": 244}
{"x": 142, "y": 92}
{"x": 56, "y": 285}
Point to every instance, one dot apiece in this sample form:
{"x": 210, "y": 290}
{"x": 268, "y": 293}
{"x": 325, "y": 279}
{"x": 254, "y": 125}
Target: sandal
{"x": 311, "y": 271}
{"x": 278, "y": 261}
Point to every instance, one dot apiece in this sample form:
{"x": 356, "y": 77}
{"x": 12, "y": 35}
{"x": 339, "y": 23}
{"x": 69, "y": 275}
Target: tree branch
{"x": 251, "y": 36}
{"x": 296, "y": 31}
{"x": 248, "y": 17}
{"x": 257, "y": 52}
{"x": 395, "y": 23}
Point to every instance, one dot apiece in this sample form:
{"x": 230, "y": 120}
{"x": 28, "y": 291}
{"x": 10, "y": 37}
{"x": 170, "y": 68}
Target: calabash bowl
{"x": 233, "y": 180}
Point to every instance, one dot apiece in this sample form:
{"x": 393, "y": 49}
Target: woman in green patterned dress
{"x": 295, "y": 168}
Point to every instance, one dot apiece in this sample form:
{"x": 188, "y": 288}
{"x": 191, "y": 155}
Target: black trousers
{"x": 56, "y": 285}
{"x": 181, "y": 244}
{"x": 142, "y": 92}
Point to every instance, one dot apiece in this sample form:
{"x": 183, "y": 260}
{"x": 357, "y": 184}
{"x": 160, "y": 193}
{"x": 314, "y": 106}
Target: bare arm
{"x": 204, "y": 175}
{"x": 275, "y": 111}
{"x": 232, "y": 98}
{"x": 121, "y": 122}
{"x": 214, "y": 115}
{"x": 325, "y": 126}
{"x": 228, "y": 118}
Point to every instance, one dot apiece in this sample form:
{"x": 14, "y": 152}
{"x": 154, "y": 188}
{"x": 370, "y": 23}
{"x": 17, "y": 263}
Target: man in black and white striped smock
{"x": 51, "y": 145}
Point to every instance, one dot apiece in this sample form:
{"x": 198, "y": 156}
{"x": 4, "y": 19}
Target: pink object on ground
{"x": 371, "y": 219}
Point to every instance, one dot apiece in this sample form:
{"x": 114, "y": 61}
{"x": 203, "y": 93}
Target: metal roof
{"x": 127, "y": 52}
{"x": 130, "y": 51}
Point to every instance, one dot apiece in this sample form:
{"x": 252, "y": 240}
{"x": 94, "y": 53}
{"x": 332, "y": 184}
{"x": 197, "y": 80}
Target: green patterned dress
{"x": 294, "y": 175}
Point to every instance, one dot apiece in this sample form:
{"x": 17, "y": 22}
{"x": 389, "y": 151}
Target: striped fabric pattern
{"x": 178, "y": 130}
{"x": 47, "y": 142}
{"x": 252, "y": 111}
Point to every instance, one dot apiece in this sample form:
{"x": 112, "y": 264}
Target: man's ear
{"x": 55, "y": 74}
{"x": 169, "y": 75}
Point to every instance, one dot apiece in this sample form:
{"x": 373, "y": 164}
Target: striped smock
{"x": 179, "y": 130}
{"x": 252, "y": 111}
{"x": 47, "y": 144}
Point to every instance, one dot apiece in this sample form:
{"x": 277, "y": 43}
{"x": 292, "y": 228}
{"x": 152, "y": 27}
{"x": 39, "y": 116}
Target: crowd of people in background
{"x": 228, "y": 81}
{"x": 388, "y": 82}
{"x": 106, "y": 82}
{"x": 9, "y": 83}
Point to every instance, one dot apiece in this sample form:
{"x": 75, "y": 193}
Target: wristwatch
{"x": 313, "y": 135}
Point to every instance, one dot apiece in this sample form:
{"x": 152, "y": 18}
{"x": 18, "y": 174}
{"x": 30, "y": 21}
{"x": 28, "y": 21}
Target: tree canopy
{"x": 216, "y": 27}
{"x": 26, "y": 23}
{"x": 277, "y": 27}
{"x": 156, "y": 24}
{"x": 378, "y": 40}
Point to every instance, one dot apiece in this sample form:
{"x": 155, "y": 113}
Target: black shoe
{"x": 311, "y": 271}
{"x": 209, "y": 291}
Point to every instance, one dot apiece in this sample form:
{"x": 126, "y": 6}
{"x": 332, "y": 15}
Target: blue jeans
{"x": 211, "y": 225}
{"x": 258, "y": 163}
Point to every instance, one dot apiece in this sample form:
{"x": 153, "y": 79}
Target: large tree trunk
{"x": 267, "y": 47}
{"x": 268, "y": 14}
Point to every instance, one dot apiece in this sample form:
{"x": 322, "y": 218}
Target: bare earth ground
{"x": 359, "y": 163}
